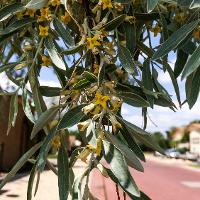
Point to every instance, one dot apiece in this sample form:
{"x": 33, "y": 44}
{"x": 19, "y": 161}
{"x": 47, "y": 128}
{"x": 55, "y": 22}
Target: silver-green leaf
{"x": 54, "y": 54}
{"x": 174, "y": 40}
{"x": 151, "y": 4}
{"x": 13, "y": 111}
{"x": 192, "y": 64}
{"x": 36, "y": 4}
{"x": 120, "y": 169}
{"x": 43, "y": 120}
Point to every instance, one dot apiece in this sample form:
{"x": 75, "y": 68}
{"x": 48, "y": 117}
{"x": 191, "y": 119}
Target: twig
{"x": 117, "y": 191}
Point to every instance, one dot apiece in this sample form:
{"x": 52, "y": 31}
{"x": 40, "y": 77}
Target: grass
{"x": 195, "y": 165}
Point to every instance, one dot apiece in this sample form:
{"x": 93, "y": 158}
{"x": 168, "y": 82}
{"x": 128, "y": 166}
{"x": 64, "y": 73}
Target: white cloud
{"x": 163, "y": 117}
{"x": 4, "y": 82}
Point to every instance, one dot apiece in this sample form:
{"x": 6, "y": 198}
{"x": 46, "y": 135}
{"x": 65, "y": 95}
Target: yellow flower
{"x": 44, "y": 15}
{"x": 93, "y": 42}
{"x": 156, "y": 30}
{"x": 46, "y": 61}
{"x": 180, "y": 17}
{"x": 44, "y": 12}
{"x": 30, "y": 12}
{"x": 55, "y": 2}
{"x": 106, "y": 4}
{"x": 101, "y": 100}
{"x": 98, "y": 146}
{"x": 96, "y": 69}
{"x": 86, "y": 152}
{"x": 66, "y": 18}
{"x": 196, "y": 33}
{"x": 44, "y": 30}
{"x": 56, "y": 142}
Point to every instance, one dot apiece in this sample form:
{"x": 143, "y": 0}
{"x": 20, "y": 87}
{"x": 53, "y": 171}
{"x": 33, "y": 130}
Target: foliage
{"x": 104, "y": 55}
{"x": 159, "y": 139}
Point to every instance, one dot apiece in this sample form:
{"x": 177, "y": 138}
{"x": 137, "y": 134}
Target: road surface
{"x": 160, "y": 182}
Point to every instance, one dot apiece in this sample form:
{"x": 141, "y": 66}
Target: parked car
{"x": 191, "y": 156}
{"x": 172, "y": 153}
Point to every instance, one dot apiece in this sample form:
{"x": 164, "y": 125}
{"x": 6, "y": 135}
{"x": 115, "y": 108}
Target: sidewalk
{"x": 102, "y": 188}
{"x": 48, "y": 187}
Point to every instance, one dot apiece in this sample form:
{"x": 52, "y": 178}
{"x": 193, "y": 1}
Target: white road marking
{"x": 191, "y": 184}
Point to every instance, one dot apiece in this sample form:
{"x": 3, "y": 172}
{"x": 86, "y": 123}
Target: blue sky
{"x": 163, "y": 118}
{"x": 160, "y": 118}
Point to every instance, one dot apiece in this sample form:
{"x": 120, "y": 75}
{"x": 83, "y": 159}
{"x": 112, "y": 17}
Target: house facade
{"x": 17, "y": 142}
{"x": 194, "y": 130}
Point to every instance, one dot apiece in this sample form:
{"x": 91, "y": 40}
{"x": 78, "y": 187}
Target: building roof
{"x": 179, "y": 132}
{"x": 193, "y": 127}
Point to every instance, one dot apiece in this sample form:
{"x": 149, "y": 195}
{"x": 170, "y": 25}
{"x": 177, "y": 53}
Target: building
{"x": 17, "y": 142}
{"x": 194, "y": 130}
{"x": 187, "y": 137}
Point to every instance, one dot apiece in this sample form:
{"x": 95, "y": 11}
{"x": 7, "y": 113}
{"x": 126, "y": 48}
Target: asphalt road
{"x": 166, "y": 182}
{"x": 160, "y": 182}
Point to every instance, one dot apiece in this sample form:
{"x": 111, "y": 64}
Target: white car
{"x": 172, "y": 153}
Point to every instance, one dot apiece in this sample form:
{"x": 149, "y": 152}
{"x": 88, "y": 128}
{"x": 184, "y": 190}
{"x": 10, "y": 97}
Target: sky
{"x": 159, "y": 119}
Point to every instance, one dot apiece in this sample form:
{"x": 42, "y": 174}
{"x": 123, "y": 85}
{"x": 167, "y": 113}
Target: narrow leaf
{"x": 151, "y": 4}
{"x": 120, "y": 169}
{"x": 175, "y": 39}
{"x": 43, "y": 120}
{"x": 141, "y": 135}
{"x": 26, "y": 106}
{"x": 7, "y": 11}
{"x": 130, "y": 156}
{"x": 133, "y": 99}
{"x": 82, "y": 84}
{"x": 30, "y": 181}
{"x": 174, "y": 82}
{"x": 63, "y": 173}
{"x": 71, "y": 117}
{"x": 15, "y": 26}
{"x": 192, "y": 64}
{"x": 74, "y": 50}
{"x": 53, "y": 53}
{"x": 194, "y": 89}
{"x": 180, "y": 62}
{"x": 147, "y": 81}
{"x": 45, "y": 149}
{"x": 13, "y": 110}
{"x": 50, "y": 91}
{"x": 126, "y": 60}
{"x": 111, "y": 25}
{"x": 8, "y": 66}
{"x": 195, "y": 4}
{"x": 63, "y": 32}
{"x": 36, "y": 4}
{"x": 132, "y": 144}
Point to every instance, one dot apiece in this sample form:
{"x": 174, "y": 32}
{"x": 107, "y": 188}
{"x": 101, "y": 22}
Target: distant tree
{"x": 161, "y": 140}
